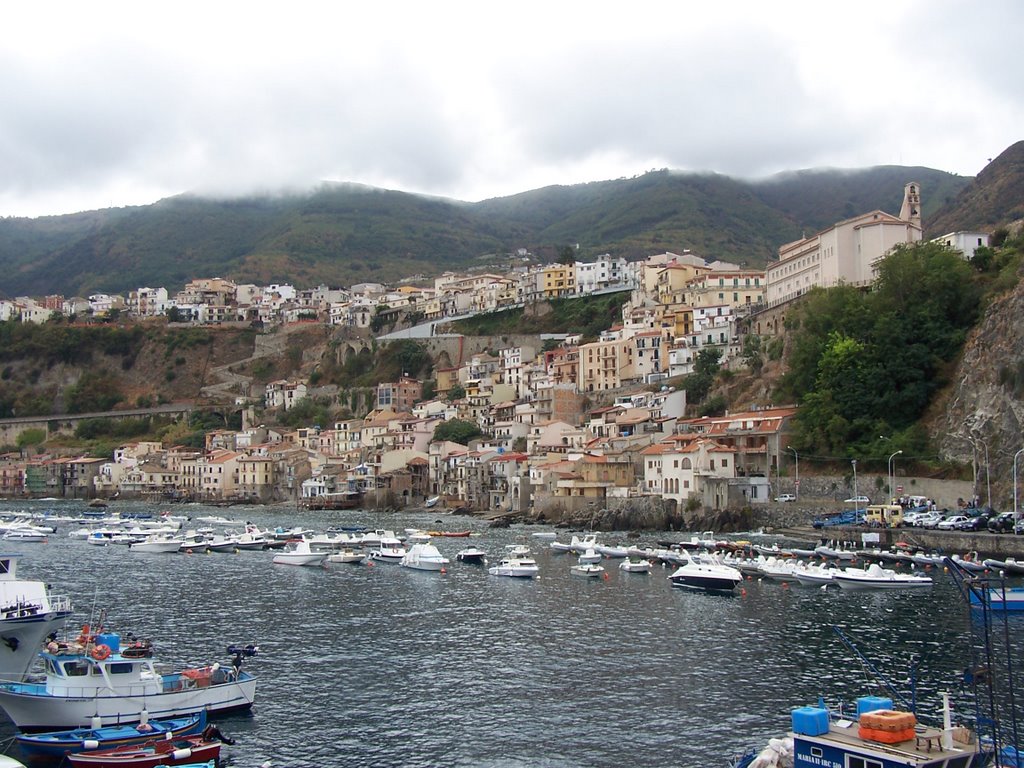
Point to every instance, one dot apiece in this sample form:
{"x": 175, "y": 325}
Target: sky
{"x": 108, "y": 104}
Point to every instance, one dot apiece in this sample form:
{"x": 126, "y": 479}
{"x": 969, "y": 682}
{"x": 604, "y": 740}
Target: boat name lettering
{"x": 823, "y": 762}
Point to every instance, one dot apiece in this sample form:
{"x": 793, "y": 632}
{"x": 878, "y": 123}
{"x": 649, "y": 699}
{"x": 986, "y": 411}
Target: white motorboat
{"x": 813, "y": 575}
{"x": 390, "y": 549}
{"x": 970, "y": 562}
{"x": 424, "y": 557}
{"x": 349, "y": 556}
{"x": 877, "y": 577}
{"x": 635, "y": 566}
{"x": 416, "y": 536}
{"x": 28, "y": 613}
{"x": 471, "y": 554}
{"x": 222, "y": 522}
{"x": 544, "y": 535}
{"x": 559, "y": 547}
{"x": 518, "y": 550}
{"x": 590, "y": 556}
{"x": 517, "y": 567}
{"x": 94, "y": 681}
{"x": 923, "y": 558}
{"x": 587, "y": 569}
{"x": 612, "y": 551}
{"x": 778, "y": 569}
{"x": 372, "y": 539}
{"x": 160, "y": 543}
{"x": 25, "y": 536}
{"x": 431, "y": 502}
{"x": 300, "y": 553}
{"x": 252, "y": 538}
{"x": 711, "y": 577}
{"x": 579, "y": 545}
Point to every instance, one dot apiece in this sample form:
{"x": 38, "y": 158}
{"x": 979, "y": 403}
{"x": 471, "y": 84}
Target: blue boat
{"x": 998, "y": 598}
{"x": 60, "y": 743}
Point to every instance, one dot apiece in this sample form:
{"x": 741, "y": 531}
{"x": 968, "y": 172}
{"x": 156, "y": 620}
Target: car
{"x": 974, "y": 522}
{"x": 786, "y": 497}
{"x": 951, "y": 523}
{"x": 1019, "y": 527}
{"x": 857, "y": 500}
{"x": 928, "y": 520}
{"x": 1002, "y": 523}
{"x": 910, "y": 518}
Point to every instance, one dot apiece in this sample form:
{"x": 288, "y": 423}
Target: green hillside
{"x": 344, "y": 233}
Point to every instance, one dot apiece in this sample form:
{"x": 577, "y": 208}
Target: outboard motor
{"x": 240, "y": 652}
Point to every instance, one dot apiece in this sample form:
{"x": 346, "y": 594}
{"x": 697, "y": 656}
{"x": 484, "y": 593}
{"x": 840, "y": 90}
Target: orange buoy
{"x": 101, "y": 652}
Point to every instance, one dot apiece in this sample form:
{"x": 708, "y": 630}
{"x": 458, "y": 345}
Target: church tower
{"x": 911, "y": 210}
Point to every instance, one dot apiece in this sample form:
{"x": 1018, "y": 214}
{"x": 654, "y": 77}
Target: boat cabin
{"x": 878, "y": 737}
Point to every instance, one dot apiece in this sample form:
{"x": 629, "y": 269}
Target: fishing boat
{"x": 28, "y": 613}
{"x": 389, "y": 550}
{"x": 877, "y": 577}
{"x": 711, "y": 577}
{"x": 56, "y": 744}
{"x": 152, "y": 754}
{"x": 998, "y": 598}
{"x": 90, "y": 682}
{"x": 300, "y": 553}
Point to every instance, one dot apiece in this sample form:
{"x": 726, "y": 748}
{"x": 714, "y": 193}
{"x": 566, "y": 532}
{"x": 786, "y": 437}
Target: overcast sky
{"x": 110, "y": 104}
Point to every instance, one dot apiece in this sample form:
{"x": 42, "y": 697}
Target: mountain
{"x": 993, "y": 199}
{"x": 345, "y": 233}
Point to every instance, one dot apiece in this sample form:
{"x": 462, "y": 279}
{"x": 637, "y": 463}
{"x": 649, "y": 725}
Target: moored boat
{"x": 471, "y": 555}
{"x": 635, "y": 566}
{"x": 424, "y": 557}
{"x": 28, "y": 613}
{"x": 90, "y": 682}
{"x": 591, "y": 570}
{"x": 877, "y": 577}
{"x": 349, "y": 556}
{"x": 711, "y": 577}
{"x": 516, "y": 567}
{"x": 188, "y": 751}
{"x": 60, "y": 743}
{"x": 300, "y": 553}
{"x": 999, "y": 599}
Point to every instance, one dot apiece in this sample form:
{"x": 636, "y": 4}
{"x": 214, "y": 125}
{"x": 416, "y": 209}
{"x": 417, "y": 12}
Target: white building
{"x": 601, "y": 273}
{"x": 964, "y": 242}
{"x": 843, "y": 253}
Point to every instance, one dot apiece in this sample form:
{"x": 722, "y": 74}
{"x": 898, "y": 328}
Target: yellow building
{"x": 737, "y": 289}
{"x": 559, "y": 280}
{"x": 606, "y": 365}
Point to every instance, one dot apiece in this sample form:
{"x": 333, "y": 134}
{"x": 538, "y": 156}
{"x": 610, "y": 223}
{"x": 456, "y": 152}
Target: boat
{"x": 518, "y": 550}
{"x": 91, "y": 682}
{"x": 778, "y": 569}
{"x": 1010, "y": 566}
{"x": 349, "y": 556}
{"x": 26, "y": 536}
{"x": 877, "y": 577}
{"x": 300, "y": 553}
{"x": 925, "y": 559}
{"x": 579, "y": 545}
{"x": 431, "y": 502}
{"x": 711, "y": 577}
{"x": 59, "y": 743}
{"x": 451, "y": 534}
{"x": 471, "y": 555}
{"x": 813, "y": 575}
{"x": 590, "y": 556}
{"x": 28, "y": 613}
{"x": 558, "y": 547}
{"x": 154, "y": 753}
{"x": 999, "y": 599}
{"x": 424, "y": 557}
{"x": 543, "y": 535}
{"x": 970, "y": 562}
{"x": 159, "y": 543}
{"x": 416, "y": 536}
{"x": 635, "y": 566}
{"x": 612, "y": 551}
{"x": 591, "y": 570}
{"x": 389, "y": 550}
{"x": 516, "y": 567}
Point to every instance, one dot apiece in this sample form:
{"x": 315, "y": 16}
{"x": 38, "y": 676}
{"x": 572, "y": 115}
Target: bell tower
{"x": 911, "y": 210}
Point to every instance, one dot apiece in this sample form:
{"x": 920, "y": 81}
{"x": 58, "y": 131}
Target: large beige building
{"x": 845, "y": 252}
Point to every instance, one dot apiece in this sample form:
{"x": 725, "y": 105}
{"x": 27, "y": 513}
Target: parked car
{"x": 857, "y": 500}
{"x": 951, "y": 523}
{"x": 928, "y": 520}
{"x": 1019, "y": 527}
{"x": 976, "y": 522}
{"x": 786, "y": 497}
{"x": 911, "y": 518}
{"x": 1002, "y": 523}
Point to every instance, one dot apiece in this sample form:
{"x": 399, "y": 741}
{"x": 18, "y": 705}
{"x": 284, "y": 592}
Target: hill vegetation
{"x": 587, "y": 315}
{"x": 342, "y": 234}
{"x": 993, "y": 200}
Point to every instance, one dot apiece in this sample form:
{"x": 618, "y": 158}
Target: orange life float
{"x": 101, "y": 652}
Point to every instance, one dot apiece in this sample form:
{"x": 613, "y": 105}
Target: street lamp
{"x": 797, "y": 483}
{"x": 892, "y": 474}
{"x": 1018, "y": 453}
{"x": 855, "y": 502}
{"x": 988, "y": 474}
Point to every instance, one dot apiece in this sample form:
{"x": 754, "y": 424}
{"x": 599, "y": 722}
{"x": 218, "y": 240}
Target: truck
{"x": 884, "y": 515}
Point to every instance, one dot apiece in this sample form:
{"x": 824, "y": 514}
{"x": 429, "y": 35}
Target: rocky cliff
{"x": 982, "y": 418}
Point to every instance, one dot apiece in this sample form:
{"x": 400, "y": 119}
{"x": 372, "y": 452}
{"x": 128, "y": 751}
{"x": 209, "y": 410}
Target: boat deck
{"x": 925, "y": 750}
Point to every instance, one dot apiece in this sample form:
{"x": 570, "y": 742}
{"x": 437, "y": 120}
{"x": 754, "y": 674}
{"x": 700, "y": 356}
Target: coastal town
{"x": 559, "y": 422}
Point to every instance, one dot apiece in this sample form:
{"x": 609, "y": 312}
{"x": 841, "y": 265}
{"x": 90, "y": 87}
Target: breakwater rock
{"x": 646, "y": 514}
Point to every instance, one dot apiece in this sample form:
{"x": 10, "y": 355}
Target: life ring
{"x": 101, "y": 652}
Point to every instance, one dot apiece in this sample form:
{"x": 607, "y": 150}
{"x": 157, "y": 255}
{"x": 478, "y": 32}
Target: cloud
{"x": 113, "y": 103}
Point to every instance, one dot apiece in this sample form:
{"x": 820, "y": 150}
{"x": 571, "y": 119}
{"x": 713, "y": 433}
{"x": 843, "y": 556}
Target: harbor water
{"x": 364, "y": 665}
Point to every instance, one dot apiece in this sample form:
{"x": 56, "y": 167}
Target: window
{"x": 853, "y": 761}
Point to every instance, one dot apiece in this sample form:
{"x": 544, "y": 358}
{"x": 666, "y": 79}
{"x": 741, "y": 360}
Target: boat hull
{"x": 846, "y": 582}
{"x": 22, "y": 637}
{"x": 998, "y": 599}
{"x": 32, "y": 709}
{"x": 60, "y": 743}
{"x": 150, "y": 755}
{"x": 706, "y": 583}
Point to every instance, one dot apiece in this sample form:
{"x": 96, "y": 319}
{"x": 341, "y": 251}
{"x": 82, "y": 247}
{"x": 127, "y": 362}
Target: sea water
{"x": 382, "y": 665}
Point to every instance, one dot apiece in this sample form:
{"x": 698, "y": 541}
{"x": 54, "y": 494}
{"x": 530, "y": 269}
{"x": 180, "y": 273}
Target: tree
{"x": 456, "y": 431}
{"x": 567, "y": 255}
{"x": 456, "y": 393}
